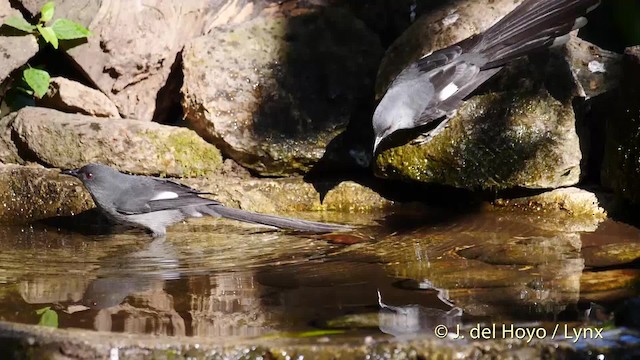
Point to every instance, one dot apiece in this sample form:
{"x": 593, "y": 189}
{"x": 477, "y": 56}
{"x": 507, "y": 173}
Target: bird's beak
{"x": 376, "y": 143}
{"x": 73, "y": 172}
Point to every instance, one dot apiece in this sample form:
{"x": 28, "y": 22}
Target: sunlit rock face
{"x": 15, "y": 51}
{"x": 73, "y": 97}
{"x": 274, "y": 92}
{"x": 70, "y": 141}
{"x": 28, "y": 194}
{"x": 133, "y": 48}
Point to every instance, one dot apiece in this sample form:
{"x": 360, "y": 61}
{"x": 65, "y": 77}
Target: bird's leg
{"x": 429, "y": 135}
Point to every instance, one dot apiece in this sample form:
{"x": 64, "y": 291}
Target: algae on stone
{"x": 71, "y": 140}
{"x": 29, "y": 194}
{"x": 496, "y": 141}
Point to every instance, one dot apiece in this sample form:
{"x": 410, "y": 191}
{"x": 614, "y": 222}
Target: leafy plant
{"x": 48, "y": 317}
{"x": 61, "y": 29}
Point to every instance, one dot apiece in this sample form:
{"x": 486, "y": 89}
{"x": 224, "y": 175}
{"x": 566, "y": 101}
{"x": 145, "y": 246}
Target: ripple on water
{"x": 219, "y": 278}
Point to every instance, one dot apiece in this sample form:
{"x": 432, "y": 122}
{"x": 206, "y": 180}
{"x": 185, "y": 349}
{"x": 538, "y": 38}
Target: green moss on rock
{"x": 192, "y": 156}
{"x": 496, "y": 141}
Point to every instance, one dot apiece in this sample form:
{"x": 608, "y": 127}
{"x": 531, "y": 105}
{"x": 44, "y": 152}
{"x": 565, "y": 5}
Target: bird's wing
{"x": 156, "y": 194}
{"x": 453, "y": 76}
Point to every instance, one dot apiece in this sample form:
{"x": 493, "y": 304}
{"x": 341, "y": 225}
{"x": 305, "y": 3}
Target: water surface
{"x": 397, "y": 275}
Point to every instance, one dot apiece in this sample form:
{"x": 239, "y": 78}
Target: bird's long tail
{"x": 534, "y": 24}
{"x": 273, "y": 220}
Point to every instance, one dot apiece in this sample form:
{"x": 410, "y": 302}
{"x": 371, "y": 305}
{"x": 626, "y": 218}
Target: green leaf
{"x": 66, "y": 29}
{"x": 48, "y": 317}
{"x": 19, "y": 23}
{"x": 49, "y": 35}
{"x": 41, "y": 311}
{"x": 38, "y": 80}
{"x": 46, "y": 12}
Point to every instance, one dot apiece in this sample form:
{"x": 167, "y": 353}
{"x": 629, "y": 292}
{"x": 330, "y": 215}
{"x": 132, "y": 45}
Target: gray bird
{"x": 153, "y": 203}
{"x": 434, "y": 87}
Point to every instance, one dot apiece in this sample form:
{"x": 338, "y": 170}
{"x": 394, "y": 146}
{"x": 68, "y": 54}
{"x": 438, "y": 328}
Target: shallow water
{"x": 217, "y": 278}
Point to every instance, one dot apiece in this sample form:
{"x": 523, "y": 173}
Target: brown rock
{"x": 72, "y": 97}
{"x": 134, "y": 45}
{"x": 272, "y": 93}
{"x": 28, "y": 194}
{"x": 15, "y": 51}
{"x": 70, "y": 141}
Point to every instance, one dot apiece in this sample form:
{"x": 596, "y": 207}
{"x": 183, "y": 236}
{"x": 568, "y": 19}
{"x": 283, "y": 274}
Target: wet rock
{"x": 540, "y": 153}
{"x": 612, "y": 254}
{"x": 565, "y": 209}
{"x": 134, "y": 46}
{"x": 72, "y": 97}
{"x": 292, "y": 86}
{"x": 15, "y": 51}
{"x": 575, "y": 201}
{"x": 496, "y": 141}
{"x": 609, "y": 285}
{"x": 28, "y": 194}
{"x": 621, "y": 164}
{"x": 613, "y": 244}
{"x": 291, "y": 194}
{"x": 48, "y": 343}
{"x": 71, "y": 140}
{"x": 537, "y": 270}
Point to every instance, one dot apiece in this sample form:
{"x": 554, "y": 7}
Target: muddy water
{"x": 399, "y": 275}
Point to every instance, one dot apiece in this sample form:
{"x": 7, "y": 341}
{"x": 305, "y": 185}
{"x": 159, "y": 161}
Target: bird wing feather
{"x": 448, "y": 79}
{"x": 143, "y": 197}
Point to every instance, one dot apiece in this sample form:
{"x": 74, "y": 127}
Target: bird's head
{"x": 95, "y": 176}
{"x": 385, "y": 124}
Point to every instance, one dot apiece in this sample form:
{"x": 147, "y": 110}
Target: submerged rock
{"x": 621, "y": 164}
{"x": 496, "y": 141}
{"x": 72, "y": 97}
{"x": 292, "y": 84}
{"x": 71, "y": 140}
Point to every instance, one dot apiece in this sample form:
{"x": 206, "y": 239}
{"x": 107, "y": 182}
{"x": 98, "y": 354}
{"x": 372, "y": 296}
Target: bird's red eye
{"x": 89, "y": 176}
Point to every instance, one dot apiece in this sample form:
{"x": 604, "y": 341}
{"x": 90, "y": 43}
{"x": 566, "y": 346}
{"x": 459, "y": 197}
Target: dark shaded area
{"x": 168, "y": 107}
{"x": 326, "y": 75}
{"x": 89, "y": 223}
{"x": 6, "y": 30}
{"x": 390, "y": 18}
{"x": 614, "y": 25}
